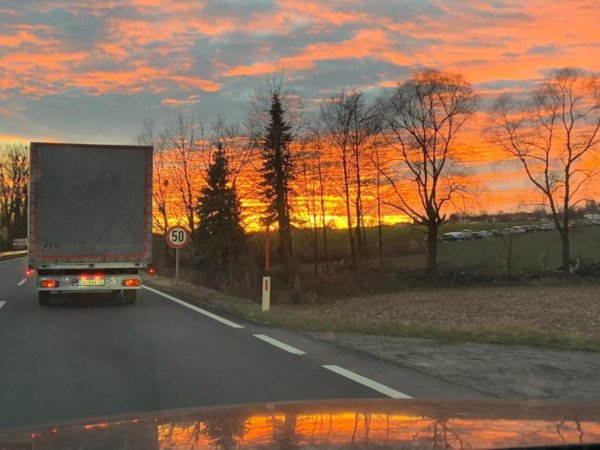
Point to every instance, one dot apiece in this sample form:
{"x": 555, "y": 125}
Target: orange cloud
{"x": 10, "y": 138}
{"x": 178, "y": 102}
{"x": 365, "y": 44}
{"x": 21, "y": 38}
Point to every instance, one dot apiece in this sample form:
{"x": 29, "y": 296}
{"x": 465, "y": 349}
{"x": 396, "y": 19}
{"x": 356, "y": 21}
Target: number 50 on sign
{"x": 177, "y": 237}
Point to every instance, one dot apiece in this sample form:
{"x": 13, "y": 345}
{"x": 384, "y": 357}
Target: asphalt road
{"x": 88, "y": 356}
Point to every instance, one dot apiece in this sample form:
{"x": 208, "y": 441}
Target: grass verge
{"x": 304, "y": 318}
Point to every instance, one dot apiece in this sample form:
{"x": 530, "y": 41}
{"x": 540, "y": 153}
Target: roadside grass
{"x": 307, "y": 318}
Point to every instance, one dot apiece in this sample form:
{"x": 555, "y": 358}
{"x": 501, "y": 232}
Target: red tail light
{"x": 151, "y": 270}
{"x": 29, "y": 272}
{"x": 131, "y": 282}
{"x": 49, "y": 284}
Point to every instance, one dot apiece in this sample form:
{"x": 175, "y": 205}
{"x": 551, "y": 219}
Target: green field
{"x": 403, "y": 246}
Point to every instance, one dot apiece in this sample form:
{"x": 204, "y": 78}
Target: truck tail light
{"x": 49, "y": 284}
{"x": 131, "y": 282}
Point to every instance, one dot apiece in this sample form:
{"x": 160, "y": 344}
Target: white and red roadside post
{"x": 266, "y": 281}
{"x": 177, "y": 237}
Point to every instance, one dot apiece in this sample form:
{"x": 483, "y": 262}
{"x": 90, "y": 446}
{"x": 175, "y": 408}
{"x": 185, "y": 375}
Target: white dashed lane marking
{"x": 2, "y": 304}
{"x": 22, "y": 282}
{"x": 367, "y": 382}
{"x": 279, "y": 344}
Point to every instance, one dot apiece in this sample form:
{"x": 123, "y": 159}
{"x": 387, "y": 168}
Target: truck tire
{"x": 44, "y": 298}
{"x": 129, "y": 296}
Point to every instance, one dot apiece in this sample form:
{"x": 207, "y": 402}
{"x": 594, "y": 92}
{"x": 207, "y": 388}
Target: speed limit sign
{"x": 178, "y": 237}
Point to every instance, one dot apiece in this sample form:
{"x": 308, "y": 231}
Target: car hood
{"x": 328, "y": 424}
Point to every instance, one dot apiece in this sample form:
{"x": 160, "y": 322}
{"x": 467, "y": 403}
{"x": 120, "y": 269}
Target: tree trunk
{"x": 379, "y": 219}
{"x": 348, "y": 213}
{"x": 432, "y": 234}
{"x": 282, "y": 240}
{"x": 380, "y": 243}
{"x": 566, "y": 252}
{"x": 358, "y": 229}
{"x": 323, "y": 218}
{"x": 325, "y": 252}
{"x": 315, "y": 242}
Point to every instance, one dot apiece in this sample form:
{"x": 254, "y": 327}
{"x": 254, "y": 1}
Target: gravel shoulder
{"x": 505, "y": 371}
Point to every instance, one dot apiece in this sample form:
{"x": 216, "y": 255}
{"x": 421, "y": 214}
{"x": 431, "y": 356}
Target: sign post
{"x": 266, "y": 284}
{"x": 266, "y": 294}
{"x": 177, "y": 237}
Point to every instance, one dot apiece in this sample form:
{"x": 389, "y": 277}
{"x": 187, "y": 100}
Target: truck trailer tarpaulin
{"x": 90, "y": 217}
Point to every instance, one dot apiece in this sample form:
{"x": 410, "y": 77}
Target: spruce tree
{"x": 220, "y": 238}
{"x": 278, "y": 172}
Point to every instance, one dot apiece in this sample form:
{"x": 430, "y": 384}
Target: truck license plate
{"x": 90, "y": 282}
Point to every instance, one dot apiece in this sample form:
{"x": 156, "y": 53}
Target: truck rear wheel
{"x": 44, "y": 298}
{"x": 129, "y": 296}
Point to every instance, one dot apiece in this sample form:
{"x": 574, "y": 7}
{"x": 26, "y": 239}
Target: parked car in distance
{"x": 496, "y": 233}
{"x": 529, "y": 228}
{"x": 467, "y": 233}
{"x": 453, "y": 236}
{"x": 517, "y": 229}
{"x": 547, "y": 226}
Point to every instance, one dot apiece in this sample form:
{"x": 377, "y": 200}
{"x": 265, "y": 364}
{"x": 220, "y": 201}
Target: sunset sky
{"x": 91, "y": 70}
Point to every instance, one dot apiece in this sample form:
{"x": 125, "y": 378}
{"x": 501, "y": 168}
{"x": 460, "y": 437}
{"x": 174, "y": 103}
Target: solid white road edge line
{"x": 195, "y": 308}
{"x": 367, "y": 382}
{"x": 2, "y": 303}
{"x": 22, "y": 282}
{"x": 279, "y": 344}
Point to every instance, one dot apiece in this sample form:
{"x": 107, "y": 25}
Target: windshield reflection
{"x": 333, "y": 424}
{"x": 371, "y": 429}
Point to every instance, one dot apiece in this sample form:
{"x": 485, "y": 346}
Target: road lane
{"x": 90, "y": 356}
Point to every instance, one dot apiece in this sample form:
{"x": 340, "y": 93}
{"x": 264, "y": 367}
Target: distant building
{"x": 592, "y": 216}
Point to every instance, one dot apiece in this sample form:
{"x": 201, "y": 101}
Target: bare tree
{"x": 14, "y": 182}
{"x": 323, "y": 172}
{"x": 160, "y": 191}
{"x": 380, "y": 165}
{"x": 422, "y": 117}
{"x": 307, "y": 200}
{"x": 348, "y": 124}
{"x": 185, "y": 148}
{"x": 555, "y": 135}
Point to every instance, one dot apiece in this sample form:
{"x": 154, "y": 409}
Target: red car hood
{"x": 328, "y": 424}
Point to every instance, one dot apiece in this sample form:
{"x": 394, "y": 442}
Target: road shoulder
{"x": 505, "y": 371}
{"x": 499, "y": 370}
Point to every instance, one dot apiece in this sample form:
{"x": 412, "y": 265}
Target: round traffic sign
{"x": 178, "y": 237}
